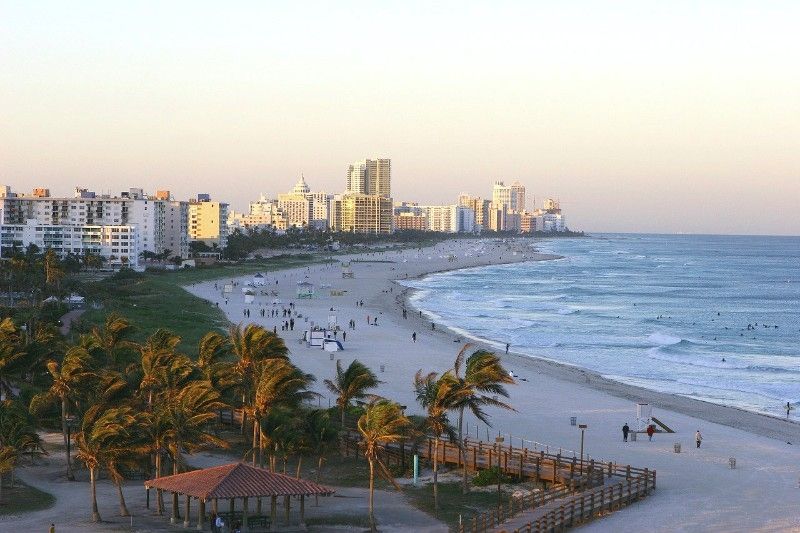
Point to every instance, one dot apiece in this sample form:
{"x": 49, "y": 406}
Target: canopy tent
{"x": 236, "y": 481}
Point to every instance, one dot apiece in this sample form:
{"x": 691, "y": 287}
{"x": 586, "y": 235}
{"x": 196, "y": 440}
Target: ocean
{"x": 710, "y": 317}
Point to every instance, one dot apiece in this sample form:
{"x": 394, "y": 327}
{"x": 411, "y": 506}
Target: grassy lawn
{"x": 23, "y": 499}
{"x": 157, "y": 300}
{"x": 451, "y": 502}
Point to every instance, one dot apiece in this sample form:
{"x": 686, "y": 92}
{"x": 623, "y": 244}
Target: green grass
{"x": 452, "y": 502}
{"x": 157, "y": 300}
{"x": 24, "y": 499}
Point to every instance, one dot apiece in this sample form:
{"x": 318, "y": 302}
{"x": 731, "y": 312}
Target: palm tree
{"x": 212, "y": 352}
{"x": 112, "y": 337}
{"x": 483, "y": 375}
{"x": 188, "y": 415}
{"x": 437, "y": 395}
{"x": 383, "y": 422}
{"x": 69, "y": 379}
{"x": 278, "y": 383}
{"x": 12, "y": 356}
{"x": 351, "y": 384}
{"x": 321, "y": 434}
{"x": 250, "y": 344}
{"x": 157, "y": 354}
{"x": 18, "y": 437}
{"x": 103, "y": 435}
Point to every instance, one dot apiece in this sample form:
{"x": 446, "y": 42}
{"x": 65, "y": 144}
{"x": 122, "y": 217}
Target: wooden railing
{"x": 579, "y": 489}
{"x": 582, "y": 507}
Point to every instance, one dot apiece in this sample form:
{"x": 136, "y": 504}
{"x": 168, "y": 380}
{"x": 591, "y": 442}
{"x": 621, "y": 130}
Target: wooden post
{"x": 201, "y": 514}
{"x": 474, "y": 459}
{"x": 610, "y": 466}
{"x": 629, "y": 491}
{"x": 231, "y": 506}
{"x": 187, "y": 511}
{"x": 628, "y": 472}
{"x": 245, "y": 527}
{"x": 287, "y": 507}
{"x": 173, "y": 519}
{"x": 302, "y": 509}
{"x": 273, "y": 512}
{"x": 583, "y": 506}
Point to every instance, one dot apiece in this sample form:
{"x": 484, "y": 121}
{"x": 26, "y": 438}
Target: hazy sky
{"x": 640, "y": 116}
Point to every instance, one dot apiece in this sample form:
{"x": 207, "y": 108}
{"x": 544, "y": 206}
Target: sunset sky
{"x": 640, "y": 116}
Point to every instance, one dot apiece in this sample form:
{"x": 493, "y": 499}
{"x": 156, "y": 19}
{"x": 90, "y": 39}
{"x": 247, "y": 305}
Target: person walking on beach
{"x": 507, "y": 347}
{"x": 650, "y": 430}
{"x": 698, "y": 438}
{"x": 414, "y": 336}
{"x": 625, "y": 431}
{"x": 344, "y": 336}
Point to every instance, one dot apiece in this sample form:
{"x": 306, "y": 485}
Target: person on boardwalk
{"x": 625, "y": 431}
{"x": 650, "y": 430}
{"x": 698, "y": 438}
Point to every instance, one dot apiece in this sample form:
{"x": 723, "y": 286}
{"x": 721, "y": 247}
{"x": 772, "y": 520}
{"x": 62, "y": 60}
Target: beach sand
{"x": 697, "y": 490}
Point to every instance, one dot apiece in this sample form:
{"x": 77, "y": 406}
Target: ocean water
{"x": 711, "y": 317}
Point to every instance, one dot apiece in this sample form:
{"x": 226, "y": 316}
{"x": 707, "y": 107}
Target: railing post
{"x": 628, "y": 472}
{"x": 629, "y": 491}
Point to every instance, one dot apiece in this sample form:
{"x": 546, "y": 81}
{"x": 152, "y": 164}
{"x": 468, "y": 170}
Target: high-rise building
{"x": 450, "y": 218}
{"x": 501, "y": 195}
{"x": 370, "y": 176}
{"x": 208, "y": 221}
{"x": 517, "y": 197}
{"x": 361, "y": 213}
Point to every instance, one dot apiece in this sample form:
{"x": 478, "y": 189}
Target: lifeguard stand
{"x": 347, "y": 272}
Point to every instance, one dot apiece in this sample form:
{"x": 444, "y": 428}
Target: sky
{"x": 639, "y": 116}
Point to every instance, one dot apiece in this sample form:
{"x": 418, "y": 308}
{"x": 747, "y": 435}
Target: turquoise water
{"x": 711, "y": 317}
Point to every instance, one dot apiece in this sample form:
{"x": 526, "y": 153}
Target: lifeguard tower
{"x": 305, "y": 289}
{"x": 347, "y": 272}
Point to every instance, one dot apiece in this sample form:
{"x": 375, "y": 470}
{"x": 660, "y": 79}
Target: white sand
{"x": 697, "y": 491}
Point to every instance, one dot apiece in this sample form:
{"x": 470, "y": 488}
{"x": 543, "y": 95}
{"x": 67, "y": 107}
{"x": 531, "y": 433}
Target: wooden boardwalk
{"x": 577, "y": 490}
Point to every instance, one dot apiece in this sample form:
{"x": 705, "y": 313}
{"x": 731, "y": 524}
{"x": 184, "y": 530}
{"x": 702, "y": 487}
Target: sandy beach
{"x": 697, "y": 490}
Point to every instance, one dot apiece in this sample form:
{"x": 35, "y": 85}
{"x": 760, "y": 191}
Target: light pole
{"x": 582, "y": 428}
{"x": 499, "y": 441}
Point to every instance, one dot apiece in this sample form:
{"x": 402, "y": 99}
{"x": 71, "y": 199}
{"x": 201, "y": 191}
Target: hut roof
{"x": 236, "y": 480}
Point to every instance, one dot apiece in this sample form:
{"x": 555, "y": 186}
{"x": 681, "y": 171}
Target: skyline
{"x": 639, "y": 118}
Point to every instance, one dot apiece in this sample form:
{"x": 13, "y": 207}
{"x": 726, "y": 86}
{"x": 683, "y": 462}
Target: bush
{"x": 489, "y": 477}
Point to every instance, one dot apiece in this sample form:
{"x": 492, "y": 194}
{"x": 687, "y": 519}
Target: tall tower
{"x": 501, "y": 194}
{"x": 357, "y": 177}
{"x": 517, "y": 197}
{"x": 370, "y": 176}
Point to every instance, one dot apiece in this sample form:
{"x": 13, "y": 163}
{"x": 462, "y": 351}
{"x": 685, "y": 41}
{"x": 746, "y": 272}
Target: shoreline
{"x": 753, "y": 496}
{"x": 763, "y": 424}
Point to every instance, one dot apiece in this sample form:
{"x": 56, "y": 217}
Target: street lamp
{"x": 499, "y": 441}
{"x": 582, "y": 427}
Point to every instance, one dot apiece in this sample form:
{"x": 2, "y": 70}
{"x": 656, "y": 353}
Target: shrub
{"x": 489, "y": 477}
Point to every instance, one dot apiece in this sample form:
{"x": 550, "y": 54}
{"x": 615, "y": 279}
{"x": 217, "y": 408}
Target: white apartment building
{"x": 117, "y": 245}
{"x": 450, "y": 218}
{"x": 370, "y": 177}
{"x": 157, "y": 221}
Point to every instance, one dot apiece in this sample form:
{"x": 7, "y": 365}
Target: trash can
{"x": 732, "y": 462}
{"x": 573, "y": 420}
{"x": 632, "y": 435}
{"x": 677, "y": 447}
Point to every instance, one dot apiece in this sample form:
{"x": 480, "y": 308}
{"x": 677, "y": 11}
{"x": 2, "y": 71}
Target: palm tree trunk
{"x": 70, "y": 474}
{"x": 462, "y": 456}
{"x": 159, "y": 493}
{"x": 371, "y": 494}
{"x": 319, "y": 471}
{"x": 93, "y": 483}
{"x": 123, "y": 509}
{"x": 299, "y": 465}
{"x": 255, "y": 440}
{"x": 176, "y": 461}
{"x": 436, "y": 474}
